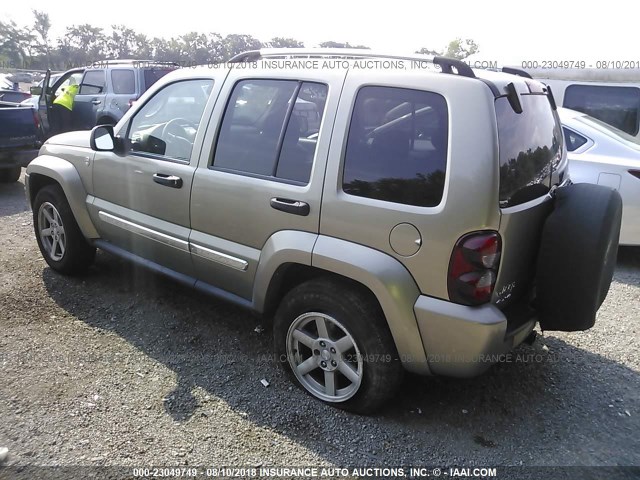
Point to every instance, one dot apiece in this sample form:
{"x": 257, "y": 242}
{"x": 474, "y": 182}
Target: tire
{"x": 577, "y": 256}
{"x": 357, "y": 342}
{"x": 52, "y": 214}
{"x": 10, "y": 175}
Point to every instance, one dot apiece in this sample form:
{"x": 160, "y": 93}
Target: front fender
{"x": 66, "y": 175}
{"x": 390, "y": 282}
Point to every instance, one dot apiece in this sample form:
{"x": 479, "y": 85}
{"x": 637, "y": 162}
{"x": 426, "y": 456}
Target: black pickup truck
{"x": 19, "y": 139}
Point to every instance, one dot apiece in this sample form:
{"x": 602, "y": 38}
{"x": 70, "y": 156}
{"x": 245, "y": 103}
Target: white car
{"x": 601, "y": 154}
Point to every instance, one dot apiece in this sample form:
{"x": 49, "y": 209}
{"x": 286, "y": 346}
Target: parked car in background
{"x": 35, "y": 90}
{"x": 602, "y": 154}
{"x": 392, "y": 220}
{"x": 107, "y": 91}
{"x": 610, "y": 95}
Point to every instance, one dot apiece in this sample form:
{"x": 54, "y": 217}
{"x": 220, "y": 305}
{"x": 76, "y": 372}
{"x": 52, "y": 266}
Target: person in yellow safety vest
{"x": 63, "y": 106}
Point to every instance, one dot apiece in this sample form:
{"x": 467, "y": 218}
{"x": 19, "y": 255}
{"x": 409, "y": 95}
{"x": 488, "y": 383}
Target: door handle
{"x": 287, "y": 205}
{"x": 96, "y": 102}
{"x": 167, "y": 180}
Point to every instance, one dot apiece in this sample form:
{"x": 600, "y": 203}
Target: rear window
{"x": 617, "y": 106}
{"x": 152, "y": 75}
{"x": 530, "y": 148}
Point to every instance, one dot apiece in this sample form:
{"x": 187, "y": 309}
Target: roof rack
{"x": 516, "y": 71}
{"x": 130, "y": 61}
{"x": 448, "y": 65}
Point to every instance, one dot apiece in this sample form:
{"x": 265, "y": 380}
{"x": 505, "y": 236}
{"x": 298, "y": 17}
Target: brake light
{"x": 36, "y": 119}
{"x": 473, "y": 268}
{"x": 635, "y": 173}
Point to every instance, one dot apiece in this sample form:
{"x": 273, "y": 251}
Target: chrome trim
{"x": 144, "y": 231}
{"x": 219, "y": 257}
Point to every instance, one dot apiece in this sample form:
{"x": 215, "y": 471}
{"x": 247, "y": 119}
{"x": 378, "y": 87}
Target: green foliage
{"x": 457, "y": 48}
{"x": 342, "y": 45}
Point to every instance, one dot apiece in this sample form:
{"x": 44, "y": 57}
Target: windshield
{"x": 610, "y": 131}
{"x": 530, "y": 148}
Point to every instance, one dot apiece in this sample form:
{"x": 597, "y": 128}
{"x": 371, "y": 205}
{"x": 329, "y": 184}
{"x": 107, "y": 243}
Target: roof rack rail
{"x": 516, "y": 71}
{"x": 448, "y": 65}
{"x": 129, "y": 61}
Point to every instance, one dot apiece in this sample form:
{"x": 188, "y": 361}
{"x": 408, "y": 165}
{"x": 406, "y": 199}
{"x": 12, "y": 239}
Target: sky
{"x": 507, "y": 32}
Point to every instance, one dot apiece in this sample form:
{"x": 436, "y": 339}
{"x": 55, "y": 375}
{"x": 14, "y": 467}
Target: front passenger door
{"x": 142, "y": 198}
{"x": 89, "y": 101}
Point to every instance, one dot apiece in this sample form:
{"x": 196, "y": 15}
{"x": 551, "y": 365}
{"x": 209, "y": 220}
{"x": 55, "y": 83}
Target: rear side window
{"x": 123, "y": 82}
{"x": 270, "y": 128}
{"x": 93, "y": 83}
{"x": 617, "y": 106}
{"x": 530, "y": 148}
{"x": 397, "y": 146}
{"x": 152, "y": 75}
{"x": 572, "y": 140}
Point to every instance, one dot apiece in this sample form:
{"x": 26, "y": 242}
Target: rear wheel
{"x": 333, "y": 340}
{"x": 10, "y": 175}
{"x": 59, "y": 238}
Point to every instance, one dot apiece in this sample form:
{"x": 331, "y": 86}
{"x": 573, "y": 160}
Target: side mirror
{"x": 102, "y": 139}
{"x": 35, "y": 90}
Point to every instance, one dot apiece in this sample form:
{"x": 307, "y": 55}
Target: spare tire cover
{"x": 577, "y": 256}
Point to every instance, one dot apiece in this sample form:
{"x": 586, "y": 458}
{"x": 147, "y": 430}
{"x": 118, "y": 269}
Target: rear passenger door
{"x": 122, "y": 82}
{"x": 261, "y": 171}
{"x": 90, "y": 100}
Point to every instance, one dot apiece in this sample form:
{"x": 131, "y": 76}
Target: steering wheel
{"x": 171, "y": 125}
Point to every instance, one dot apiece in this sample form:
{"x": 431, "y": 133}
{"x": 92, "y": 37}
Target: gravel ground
{"x": 123, "y": 367}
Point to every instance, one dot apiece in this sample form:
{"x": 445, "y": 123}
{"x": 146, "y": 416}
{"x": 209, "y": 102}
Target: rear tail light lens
{"x": 635, "y": 173}
{"x": 36, "y": 119}
{"x": 132, "y": 102}
{"x": 473, "y": 268}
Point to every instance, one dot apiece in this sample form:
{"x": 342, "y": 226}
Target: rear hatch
{"x": 532, "y": 160}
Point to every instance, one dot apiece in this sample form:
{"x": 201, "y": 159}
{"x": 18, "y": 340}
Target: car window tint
{"x": 617, "y": 106}
{"x": 572, "y": 140}
{"x": 93, "y": 83}
{"x": 123, "y": 82}
{"x": 397, "y": 146}
{"x": 270, "y": 128}
{"x": 168, "y": 123}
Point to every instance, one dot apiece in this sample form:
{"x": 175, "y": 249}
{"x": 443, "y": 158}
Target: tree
{"x": 122, "y": 43}
{"x": 15, "y": 43}
{"x": 42, "y": 26}
{"x": 281, "y": 42}
{"x": 457, "y": 48}
{"x": 83, "y": 45}
{"x": 331, "y": 44}
{"x": 234, "y": 44}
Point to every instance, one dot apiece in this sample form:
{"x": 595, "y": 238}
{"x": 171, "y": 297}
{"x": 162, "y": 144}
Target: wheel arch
{"x": 49, "y": 170}
{"x": 303, "y": 256}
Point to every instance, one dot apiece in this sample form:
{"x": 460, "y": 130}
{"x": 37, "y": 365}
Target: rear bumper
{"x": 463, "y": 341}
{"x": 17, "y": 158}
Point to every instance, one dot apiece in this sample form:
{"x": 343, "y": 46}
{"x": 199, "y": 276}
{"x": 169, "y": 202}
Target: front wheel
{"x": 59, "y": 238}
{"x": 332, "y": 339}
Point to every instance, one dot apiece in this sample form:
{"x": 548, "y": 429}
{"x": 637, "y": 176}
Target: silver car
{"x": 602, "y": 154}
{"x": 388, "y": 220}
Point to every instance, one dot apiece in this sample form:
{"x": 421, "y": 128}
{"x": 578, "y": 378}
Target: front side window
{"x": 167, "y": 124}
{"x": 270, "y": 128}
{"x": 93, "y": 83}
{"x": 397, "y": 146}
{"x": 123, "y": 81}
{"x": 617, "y": 106}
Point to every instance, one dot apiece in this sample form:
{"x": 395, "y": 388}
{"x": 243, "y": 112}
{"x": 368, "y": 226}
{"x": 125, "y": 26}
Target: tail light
{"x": 36, "y": 119}
{"x": 635, "y": 173}
{"x": 473, "y": 268}
{"x": 132, "y": 102}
